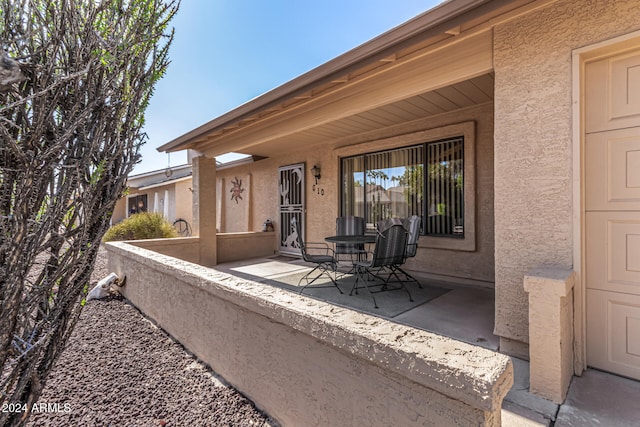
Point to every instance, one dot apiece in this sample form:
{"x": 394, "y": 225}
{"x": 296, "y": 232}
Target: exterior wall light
{"x": 315, "y": 171}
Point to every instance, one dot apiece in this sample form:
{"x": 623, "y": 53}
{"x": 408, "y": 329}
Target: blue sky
{"x": 226, "y": 52}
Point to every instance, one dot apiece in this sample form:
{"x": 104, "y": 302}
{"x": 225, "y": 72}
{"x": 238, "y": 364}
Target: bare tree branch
{"x": 75, "y": 80}
{"x": 9, "y": 72}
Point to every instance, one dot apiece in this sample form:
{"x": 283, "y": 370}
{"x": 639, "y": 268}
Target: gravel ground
{"x": 121, "y": 370}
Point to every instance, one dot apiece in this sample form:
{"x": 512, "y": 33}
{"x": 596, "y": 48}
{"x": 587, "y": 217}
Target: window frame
{"x": 136, "y": 196}
{"x": 465, "y": 130}
{"x": 426, "y": 206}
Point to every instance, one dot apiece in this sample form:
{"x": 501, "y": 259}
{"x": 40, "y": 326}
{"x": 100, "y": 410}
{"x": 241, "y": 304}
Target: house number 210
{"x": 318, "y": 190}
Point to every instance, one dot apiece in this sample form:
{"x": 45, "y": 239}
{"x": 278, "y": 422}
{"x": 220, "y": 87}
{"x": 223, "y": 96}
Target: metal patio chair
{"x": 325, "y": 261}
{"x": 412, "y": 248}
{"x": 350, "y": 226}
{"x": 389, "y": 250}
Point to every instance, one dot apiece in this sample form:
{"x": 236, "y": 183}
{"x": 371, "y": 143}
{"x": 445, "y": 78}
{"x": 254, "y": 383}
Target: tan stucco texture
{"x": 533, "y": 141}
{"x": 307, "y": 362}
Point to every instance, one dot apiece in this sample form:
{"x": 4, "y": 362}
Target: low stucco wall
{"x": 238, "y": 246}
{"x": 184, "y": 248}
{"x": 306, "y": 362}
{"x": 230, "y": 246}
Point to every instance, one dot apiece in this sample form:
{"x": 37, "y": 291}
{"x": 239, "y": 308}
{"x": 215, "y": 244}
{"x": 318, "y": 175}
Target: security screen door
{"x": 291, "y": 189}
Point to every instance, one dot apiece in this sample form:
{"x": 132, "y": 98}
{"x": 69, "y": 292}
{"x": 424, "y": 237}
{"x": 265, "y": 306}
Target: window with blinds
{"x": 393, "y": 183}
{"x": 445, "y": 188}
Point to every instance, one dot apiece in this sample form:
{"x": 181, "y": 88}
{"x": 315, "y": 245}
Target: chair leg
{"x": 360, "y": 272}
{"x": 409, "y": 276}
{"x": 393, "y": 272}
{"x": 372, "y": 276}
{"x": 306, "y": 276}
{"x": 323, "y": 271}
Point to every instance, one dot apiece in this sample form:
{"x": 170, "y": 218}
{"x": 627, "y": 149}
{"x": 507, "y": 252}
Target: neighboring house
{"x": 516, "y": 121}
{"x": 167, "y": 191}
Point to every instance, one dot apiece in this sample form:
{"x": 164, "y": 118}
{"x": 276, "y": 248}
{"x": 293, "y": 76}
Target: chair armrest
{"x": 319, "y": 247}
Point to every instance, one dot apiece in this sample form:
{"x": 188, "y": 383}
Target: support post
{"x": 204, "y": 208}
{"x": 550, "y": 331}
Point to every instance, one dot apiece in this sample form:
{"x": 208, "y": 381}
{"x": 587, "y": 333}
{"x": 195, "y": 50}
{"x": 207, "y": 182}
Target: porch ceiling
{"x": 460, "y": 95}
{"x": 465, "y": 94}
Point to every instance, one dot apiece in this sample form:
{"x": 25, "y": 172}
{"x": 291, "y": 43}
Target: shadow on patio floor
{"x": 462, "y": 312}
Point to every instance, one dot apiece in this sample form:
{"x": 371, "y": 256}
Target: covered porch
{"x": 504, "y": 87}
{"x": 425, "y": 85}
{"x": 370, "y": 136}
{"x": 500, "y": 87}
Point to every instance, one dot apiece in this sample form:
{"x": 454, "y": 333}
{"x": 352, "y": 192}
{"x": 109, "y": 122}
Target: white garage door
{"x": 612, "y": 195}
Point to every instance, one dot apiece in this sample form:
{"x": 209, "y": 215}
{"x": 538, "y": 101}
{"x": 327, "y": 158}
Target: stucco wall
{"x": 237, "y": 193}
{"x": 533, "y": 145}
{"x": 323, "y": 203}
{"x": 307, "y": 363}
{"x": 321, "y": 209}
{"x": 204, "y": 208}
{"x": 119, "y": 210}
{"x": 237, "y": 246}
{"x": 184, "y": 248}
{"x": 184, "y": 200}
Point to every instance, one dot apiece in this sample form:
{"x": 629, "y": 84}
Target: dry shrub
{"x": 141, "y": 226}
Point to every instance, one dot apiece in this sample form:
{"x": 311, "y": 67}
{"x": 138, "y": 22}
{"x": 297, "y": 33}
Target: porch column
{"x": 166, "y": 204}
{"x": 550, "y": 331}
{"x": 204, "y": 208}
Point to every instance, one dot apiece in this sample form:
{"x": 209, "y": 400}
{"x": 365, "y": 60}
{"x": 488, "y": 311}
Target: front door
{"x": 612, "y": 217}
{"x": 291, "y": 189}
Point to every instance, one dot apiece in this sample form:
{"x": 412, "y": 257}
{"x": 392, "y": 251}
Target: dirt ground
{"x": 119, "y": 369}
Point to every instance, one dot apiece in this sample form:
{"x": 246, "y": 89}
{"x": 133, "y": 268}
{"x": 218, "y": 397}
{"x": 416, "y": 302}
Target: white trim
{"x": 166, "y": 205}
{"x": 160, "y": 184}
{"x": 579, "y": 321}
{"x": 579, "y": 58}
{"x": 159, "y": 172}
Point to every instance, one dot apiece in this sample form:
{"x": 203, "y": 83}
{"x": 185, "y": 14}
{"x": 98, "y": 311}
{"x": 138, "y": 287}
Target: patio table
{"x": 350, "y": 239}
{"x": 365, "y": 238}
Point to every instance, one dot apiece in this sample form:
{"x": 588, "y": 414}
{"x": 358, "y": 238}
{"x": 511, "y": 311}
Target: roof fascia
{"x": 163, "y": 183}
{"x": 446, "y": 15}
{"x": 158, "y": 173}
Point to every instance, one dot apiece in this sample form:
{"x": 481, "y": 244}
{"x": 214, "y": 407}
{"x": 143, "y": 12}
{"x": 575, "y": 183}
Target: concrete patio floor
{"x": 466, "y": 313}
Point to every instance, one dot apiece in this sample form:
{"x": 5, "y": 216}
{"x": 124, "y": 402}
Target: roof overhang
{"x": 160, "y": 176}
{"x": 163, "y": 183}
{"x": 446, "y": 18}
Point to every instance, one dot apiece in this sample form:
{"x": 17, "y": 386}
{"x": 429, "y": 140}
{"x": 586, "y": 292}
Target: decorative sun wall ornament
{"x": 237, "y": 190}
